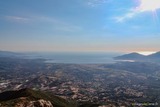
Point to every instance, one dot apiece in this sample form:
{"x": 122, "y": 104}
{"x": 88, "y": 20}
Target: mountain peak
{"x": 130, "y": 56}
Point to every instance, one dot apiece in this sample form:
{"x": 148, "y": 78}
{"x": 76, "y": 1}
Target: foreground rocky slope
{"x": 31, "y": 98}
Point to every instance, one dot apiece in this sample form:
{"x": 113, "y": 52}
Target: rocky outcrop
{"x": 38, "y": 103}
{"x": 41, "y": 103}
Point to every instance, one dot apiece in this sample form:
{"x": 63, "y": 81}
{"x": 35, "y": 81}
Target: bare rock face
{"x": 38, "y": 103}
{"x": 42, "y": 103}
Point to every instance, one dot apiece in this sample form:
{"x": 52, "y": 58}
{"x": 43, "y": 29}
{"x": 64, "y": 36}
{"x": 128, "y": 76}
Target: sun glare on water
{"x": 146, "y": 52}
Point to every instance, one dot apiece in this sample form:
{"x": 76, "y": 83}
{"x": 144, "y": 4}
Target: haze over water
{"x": 76, "y": 58}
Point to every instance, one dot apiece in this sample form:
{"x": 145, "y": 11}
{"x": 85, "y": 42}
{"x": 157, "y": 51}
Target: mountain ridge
{"x": 130, "y": 56}
{"x": 9, "y": 54}
{"x": 139, "y": 57}
{"x": 154, "y": 55}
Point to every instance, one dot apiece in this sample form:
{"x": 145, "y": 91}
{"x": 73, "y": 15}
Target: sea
{"x": 76, "y": 57}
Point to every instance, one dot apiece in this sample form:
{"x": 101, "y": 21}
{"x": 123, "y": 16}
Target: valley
{"x": 118, "y": 84}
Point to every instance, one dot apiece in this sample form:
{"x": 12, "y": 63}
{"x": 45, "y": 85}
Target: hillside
{"x": 28, "y": 97}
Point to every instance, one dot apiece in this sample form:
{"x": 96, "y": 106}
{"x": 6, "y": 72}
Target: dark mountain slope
{"x": 131, "y": 56}
{"x": 154, "y": 55}
{"x": 12, "y": 98}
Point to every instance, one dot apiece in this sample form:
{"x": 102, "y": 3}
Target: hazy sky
{"x": 80, "y": 25}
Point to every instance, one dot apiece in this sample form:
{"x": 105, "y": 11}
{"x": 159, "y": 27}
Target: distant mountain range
{"x": 139, "y": 57}
{"x": 9, "y": 54}
{"x": 131, "y": 56}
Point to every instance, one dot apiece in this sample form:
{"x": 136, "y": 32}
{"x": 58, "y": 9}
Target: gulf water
{"x": 76, "y": 58}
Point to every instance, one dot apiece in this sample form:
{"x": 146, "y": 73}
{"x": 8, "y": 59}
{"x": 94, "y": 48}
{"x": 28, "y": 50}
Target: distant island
{"x": 155, "y": 57}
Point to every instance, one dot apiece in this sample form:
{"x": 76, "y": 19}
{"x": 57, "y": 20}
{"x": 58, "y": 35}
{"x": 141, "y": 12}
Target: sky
{"x": 80, "y": 25}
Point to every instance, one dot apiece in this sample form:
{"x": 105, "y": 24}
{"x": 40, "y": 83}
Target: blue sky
{"x": 80, "y": 25}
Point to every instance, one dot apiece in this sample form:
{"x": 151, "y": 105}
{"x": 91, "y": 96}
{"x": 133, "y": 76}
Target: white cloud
{"x": 144, "y": 6}
{"x": 94, "y": 3}
{"x": 53, "y": 23}
{"x": 58, "y": 24}
{"x": 126, "y": 16}
{"x": 17, "y": 18}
